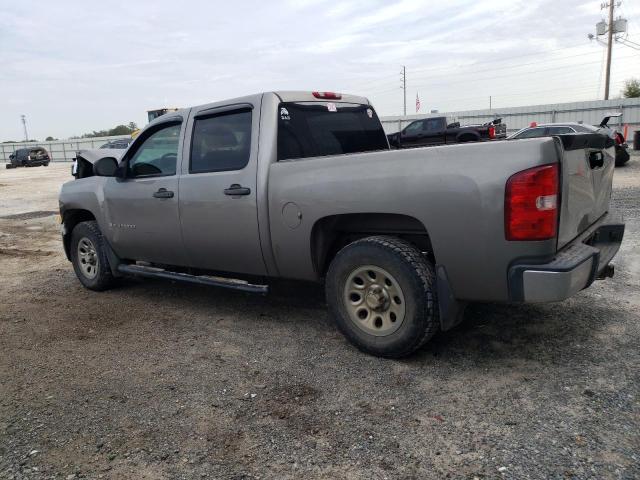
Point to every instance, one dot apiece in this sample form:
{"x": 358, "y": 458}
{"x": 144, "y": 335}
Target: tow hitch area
{"x": 607, "y": 272}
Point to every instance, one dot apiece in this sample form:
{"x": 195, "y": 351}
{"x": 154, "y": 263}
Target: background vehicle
{"x": 549, "y": 129}
{"x": 153, "y": 114}
{"x": 439, "y": 130}
{"x": 303, "y": 186}
{"x": 119, "y": 144}
{"x": 29, "y": 157}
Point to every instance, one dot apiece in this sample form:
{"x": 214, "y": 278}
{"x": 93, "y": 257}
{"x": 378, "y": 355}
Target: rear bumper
{"x": 573, "y": 268}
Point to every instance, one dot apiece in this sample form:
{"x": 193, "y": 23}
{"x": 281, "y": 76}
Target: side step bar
{"x": 232, "y": 283}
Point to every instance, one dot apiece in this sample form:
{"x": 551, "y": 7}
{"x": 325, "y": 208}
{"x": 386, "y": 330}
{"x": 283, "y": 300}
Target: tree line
{"x": 117, "y": 130}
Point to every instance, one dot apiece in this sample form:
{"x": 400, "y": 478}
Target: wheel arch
{"x": 468, "y": 136}
{"x": 71, "y": 218}
{"x": 329, "y": 234}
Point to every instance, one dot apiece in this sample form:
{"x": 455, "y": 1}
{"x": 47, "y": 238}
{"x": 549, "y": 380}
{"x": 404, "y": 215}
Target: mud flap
{"x": 451, "y": 310}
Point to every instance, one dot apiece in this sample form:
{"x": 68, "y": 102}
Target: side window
{"x": 158, "y": 153}
{"x": 532, "y": 133}
{"x": 433, "y": 125}
{"x": 559, "y": 130}
{"x": 221, "y": 142}
{"x": 413, "y": 128}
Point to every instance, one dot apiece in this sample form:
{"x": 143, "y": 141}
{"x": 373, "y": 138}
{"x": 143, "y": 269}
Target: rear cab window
{"x": 315, "y": 129}
{"x": 221, "y": 142}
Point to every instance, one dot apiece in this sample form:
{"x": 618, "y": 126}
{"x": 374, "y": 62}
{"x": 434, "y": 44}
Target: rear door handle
{"x": 237, "y": 189}
{"x": 163, "y": 193}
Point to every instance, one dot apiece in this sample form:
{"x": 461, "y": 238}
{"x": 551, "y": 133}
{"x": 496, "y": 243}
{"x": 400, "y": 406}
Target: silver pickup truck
{"x": 303, "y": 186}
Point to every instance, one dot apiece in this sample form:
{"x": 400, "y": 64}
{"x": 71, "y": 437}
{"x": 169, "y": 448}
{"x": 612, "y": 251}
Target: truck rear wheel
{"x": 89, "y": 257}
{"x": 381, "y": 292}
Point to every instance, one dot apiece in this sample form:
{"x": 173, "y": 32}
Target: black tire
{"x": 103, "y": 278}
{"x": 415, "y": 276}
{"x": 622, "y": 157}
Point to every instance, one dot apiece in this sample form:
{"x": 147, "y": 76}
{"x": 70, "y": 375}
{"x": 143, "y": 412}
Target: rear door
{"x": 218, "y": 199}
{"x": 434, "y": 131}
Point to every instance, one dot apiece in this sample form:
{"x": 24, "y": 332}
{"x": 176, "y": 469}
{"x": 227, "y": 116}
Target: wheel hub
{"x": 377, "y": 298}
{"x": 374, "y": 300}
{"x": 87, "y": 258}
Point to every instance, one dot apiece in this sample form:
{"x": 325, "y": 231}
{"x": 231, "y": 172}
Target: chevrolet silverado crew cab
{"x": 304, "y": 186}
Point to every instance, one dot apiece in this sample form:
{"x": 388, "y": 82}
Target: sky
{"x": 76, "y": 66}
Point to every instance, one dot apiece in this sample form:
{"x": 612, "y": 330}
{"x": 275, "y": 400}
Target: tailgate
{"x": 587, "y": 166}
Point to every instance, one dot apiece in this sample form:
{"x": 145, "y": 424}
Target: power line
{"x": 568, "y": 71}
{"x": 497, "y": 69}
{"x": 515, "y": 74}
{"x": 417, "y": 70}
{"x": 516, "y": 65}
{"x": 581, "y": 88}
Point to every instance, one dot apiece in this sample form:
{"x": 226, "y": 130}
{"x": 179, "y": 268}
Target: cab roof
{"x": 283, "y": 96}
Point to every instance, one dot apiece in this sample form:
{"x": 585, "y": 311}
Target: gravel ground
{"x": 160, "y": 380}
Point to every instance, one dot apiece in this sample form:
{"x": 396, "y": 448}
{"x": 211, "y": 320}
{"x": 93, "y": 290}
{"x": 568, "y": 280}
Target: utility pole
{"x": 489, "y": 102}
{"x": 609, "y": 45}
{"x": 403, "y": 77}
{"x": 24, "y": 125}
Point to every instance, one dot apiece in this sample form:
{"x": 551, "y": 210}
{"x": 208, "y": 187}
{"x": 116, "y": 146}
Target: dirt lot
{"x": 161, "y": 380}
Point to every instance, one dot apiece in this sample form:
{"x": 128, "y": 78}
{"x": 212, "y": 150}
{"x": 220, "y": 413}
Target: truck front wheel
{"x": 381, "y": 292}
{"x": 89, "y": 257}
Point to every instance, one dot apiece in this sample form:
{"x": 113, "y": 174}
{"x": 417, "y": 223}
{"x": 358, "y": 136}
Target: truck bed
{"x": 457, "y": 193}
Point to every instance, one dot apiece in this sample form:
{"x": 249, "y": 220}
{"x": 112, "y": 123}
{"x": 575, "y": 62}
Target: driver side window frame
{"x": 141, "y": 140}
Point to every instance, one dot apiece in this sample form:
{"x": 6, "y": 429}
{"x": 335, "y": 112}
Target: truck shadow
{"x": 488, "y": 330}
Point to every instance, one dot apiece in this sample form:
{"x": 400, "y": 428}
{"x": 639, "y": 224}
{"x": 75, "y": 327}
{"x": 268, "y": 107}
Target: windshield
{"x": 313, "y": 129}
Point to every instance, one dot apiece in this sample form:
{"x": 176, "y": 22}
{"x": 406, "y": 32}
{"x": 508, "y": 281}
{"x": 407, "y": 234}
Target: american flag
{"x": 417, "y": 103}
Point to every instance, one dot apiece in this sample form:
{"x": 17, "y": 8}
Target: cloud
{"x": 73, "y": 67}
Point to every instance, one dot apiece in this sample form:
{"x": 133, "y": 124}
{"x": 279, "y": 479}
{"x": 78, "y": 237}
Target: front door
{"x": 142, "y": 208}
{"x": 412, "y": 135}
{"x": 218, "y": 190}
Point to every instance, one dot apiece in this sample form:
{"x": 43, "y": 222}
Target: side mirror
{"x": 106, "y": 167}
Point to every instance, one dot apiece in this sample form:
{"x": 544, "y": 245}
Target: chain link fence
{"x": 59, "y": 150}
{"x": 520, "y": 117}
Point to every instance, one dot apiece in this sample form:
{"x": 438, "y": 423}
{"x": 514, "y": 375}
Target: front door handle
{"x": 237, "y": 189}
{"x": 163, "y": 193}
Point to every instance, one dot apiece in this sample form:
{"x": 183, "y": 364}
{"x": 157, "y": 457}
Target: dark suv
{"x": 29, "y": 157}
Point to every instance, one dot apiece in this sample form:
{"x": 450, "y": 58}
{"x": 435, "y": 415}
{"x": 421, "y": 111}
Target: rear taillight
{"x": 531, "y": 204}
{"x": 327, "y": 95}
{"x": 492, "y": 132}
